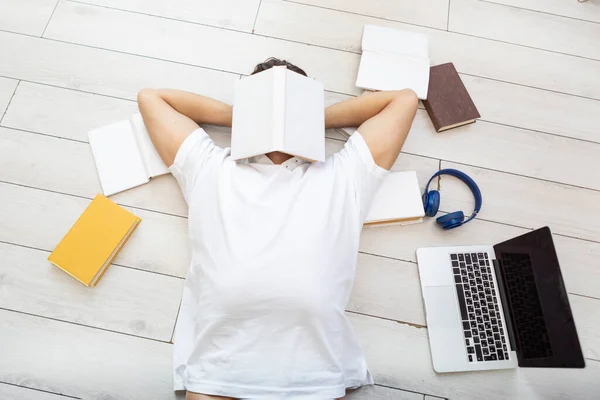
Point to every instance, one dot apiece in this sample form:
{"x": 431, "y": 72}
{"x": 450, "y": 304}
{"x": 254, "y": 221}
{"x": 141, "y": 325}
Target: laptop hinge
{"x": 505, "y": 306}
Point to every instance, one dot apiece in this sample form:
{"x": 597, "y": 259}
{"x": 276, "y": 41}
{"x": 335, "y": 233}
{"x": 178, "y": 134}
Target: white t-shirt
{"x": 274, "y": 252}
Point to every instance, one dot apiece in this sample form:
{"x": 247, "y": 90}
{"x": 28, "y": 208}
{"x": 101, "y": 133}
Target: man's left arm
{"x": 172, "y": 115}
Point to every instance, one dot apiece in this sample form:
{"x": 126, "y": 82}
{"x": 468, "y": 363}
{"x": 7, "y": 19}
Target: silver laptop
{"x": 495, "y": 307}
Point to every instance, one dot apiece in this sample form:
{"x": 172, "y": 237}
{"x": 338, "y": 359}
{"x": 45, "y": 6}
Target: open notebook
{"x": 397, "y": 202}
{"x": 393, "y": 59}
{"x": 124, "y": 155}
{"x": 94, "y": 241}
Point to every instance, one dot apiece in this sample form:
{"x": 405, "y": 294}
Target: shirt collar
{"x": 290, "y": 164}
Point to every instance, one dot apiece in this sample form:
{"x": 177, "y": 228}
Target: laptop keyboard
{"x": 479, "y": 307}
{"x": 527, "y": 314}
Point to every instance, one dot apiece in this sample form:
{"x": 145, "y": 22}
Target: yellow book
{"x": 94, "y": 240}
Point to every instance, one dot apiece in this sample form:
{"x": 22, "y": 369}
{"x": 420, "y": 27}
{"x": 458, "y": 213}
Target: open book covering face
{"x": 278, "y": 110}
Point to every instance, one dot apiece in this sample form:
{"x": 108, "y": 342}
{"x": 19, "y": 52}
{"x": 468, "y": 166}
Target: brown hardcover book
{"x": 448, "y": 102}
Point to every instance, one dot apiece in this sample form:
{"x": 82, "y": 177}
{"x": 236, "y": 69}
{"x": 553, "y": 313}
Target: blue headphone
{"x": 431, "y": 200}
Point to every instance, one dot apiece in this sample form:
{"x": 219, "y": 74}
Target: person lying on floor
{"x": 274, "y": 247}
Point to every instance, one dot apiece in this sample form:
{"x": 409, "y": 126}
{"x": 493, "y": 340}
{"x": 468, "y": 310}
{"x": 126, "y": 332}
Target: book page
{"x": 395, "y": 222}
{"x": 252, "y": 127}
{"x": 398, "y": 198}
{"x": 280, "y": 106}
{"x": 388, "y": 71}
{"x": 152, "y": 161}
{"x": 383, "y": 39}
{"x": 304, "y": 117}
{"x": 118, "y": 159}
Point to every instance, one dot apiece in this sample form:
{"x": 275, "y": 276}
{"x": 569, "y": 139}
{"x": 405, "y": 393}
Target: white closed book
{"x": 124, "y": 155}
{"x": 397, "y": 202}
{"x": 278, "y": 110}
{"x": 394, "y": 60}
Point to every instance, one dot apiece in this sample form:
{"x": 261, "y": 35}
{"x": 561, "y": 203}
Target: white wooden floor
{"x": 531, "y": 66}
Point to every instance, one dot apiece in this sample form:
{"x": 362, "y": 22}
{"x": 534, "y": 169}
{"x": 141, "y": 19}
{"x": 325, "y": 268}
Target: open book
{"x": 397, "y": 202}
{"x": 393, "y": 60}
{"x": 124, "y": 155}
{"x": 278, "y": 110}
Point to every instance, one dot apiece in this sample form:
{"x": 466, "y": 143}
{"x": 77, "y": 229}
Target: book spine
{"x": 436, "y": 122}
{"x": 279, "y": 94}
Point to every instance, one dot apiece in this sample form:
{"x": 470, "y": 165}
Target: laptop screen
{"x": 539, "y": 316}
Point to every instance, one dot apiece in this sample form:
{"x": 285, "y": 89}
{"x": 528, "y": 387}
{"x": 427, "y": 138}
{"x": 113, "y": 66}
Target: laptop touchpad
{"x": 444, "y": 325}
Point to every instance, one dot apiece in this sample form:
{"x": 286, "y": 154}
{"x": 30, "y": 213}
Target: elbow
{"x": 409, "y": 98}
{"x": 147, "y": 94}
{"x": 405, "y": 100}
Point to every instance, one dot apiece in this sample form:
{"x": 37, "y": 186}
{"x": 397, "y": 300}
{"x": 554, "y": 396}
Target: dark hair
{"x": 272, "y": 62}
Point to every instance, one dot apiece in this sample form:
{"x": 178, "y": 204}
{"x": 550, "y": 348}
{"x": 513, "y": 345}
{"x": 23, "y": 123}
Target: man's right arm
{"x": 383, "y": 120}
{"x": 172, "y": 115}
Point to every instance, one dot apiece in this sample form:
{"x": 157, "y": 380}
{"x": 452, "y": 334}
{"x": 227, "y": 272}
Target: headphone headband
{"x": 467, "y": 180}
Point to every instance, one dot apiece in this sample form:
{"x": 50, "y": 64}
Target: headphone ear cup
{"x": 451, "y": 220}
{"x": 431, "y": 203}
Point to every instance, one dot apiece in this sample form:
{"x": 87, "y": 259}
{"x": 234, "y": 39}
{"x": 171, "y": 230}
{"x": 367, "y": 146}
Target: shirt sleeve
{"x": 358, "y": 164}
{"x": 193, "y": 159}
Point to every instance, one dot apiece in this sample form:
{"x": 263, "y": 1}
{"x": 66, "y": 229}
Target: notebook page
{"x": 279, "y": 87}
{"x": 304, "y": 117}
{"x": 252, "y": 130}
{"x": 398, "y": 198}
{"x": 152, "y": 161}
{"x": 388, "y": 71}
{"x": 118, "y": 160}
{"x": 379, "y": 38}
